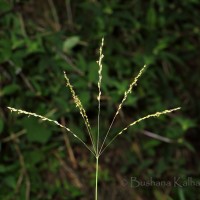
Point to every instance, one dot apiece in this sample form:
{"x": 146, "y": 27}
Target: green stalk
{"x": 97, "y": 173}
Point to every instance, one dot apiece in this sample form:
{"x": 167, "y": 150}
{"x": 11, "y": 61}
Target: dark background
{"x": 41, "y": 39}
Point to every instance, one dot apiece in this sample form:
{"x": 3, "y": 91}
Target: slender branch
{"x": 81, "y": 110}
{"x": 157, "y": 114}
{"x": 99, "y": 87}
{"x": 50, "y": 120}
{"x": 133, "y": 83}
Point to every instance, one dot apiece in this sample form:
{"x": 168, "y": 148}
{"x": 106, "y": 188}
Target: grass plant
{"x": 97, "y": 148}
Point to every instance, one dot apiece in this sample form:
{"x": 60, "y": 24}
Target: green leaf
{"x": 185, "y": 123}
{"x": 34, "y": 157}
{"x": 187, "y": 144}
{"x": 36, "y": 132}
{"x": 5, "y": 50}
{"x": 34, "y": 46}
{"x": 151, "y": 17}
{"x": 70, "y": 43}
{"x": 10, "y": 89}
{"x": 181, "y": 194}
{"x": 10, "y": 181}
{"x": 162, "y": 44}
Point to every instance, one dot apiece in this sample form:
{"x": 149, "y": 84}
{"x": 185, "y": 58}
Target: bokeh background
{"x": 41, "y": 39}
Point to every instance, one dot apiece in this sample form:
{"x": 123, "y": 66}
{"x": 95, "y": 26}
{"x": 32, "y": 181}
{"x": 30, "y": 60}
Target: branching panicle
{"x": 95, "y": 150}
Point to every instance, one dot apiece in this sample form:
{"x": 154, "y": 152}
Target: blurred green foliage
{"x": 41, "y": 39}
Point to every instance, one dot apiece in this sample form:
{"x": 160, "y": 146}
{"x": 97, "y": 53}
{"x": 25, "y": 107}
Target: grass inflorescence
{"x": 96, "y": 147}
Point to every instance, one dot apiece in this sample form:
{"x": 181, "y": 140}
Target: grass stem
{"x": 97, "y": 174}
